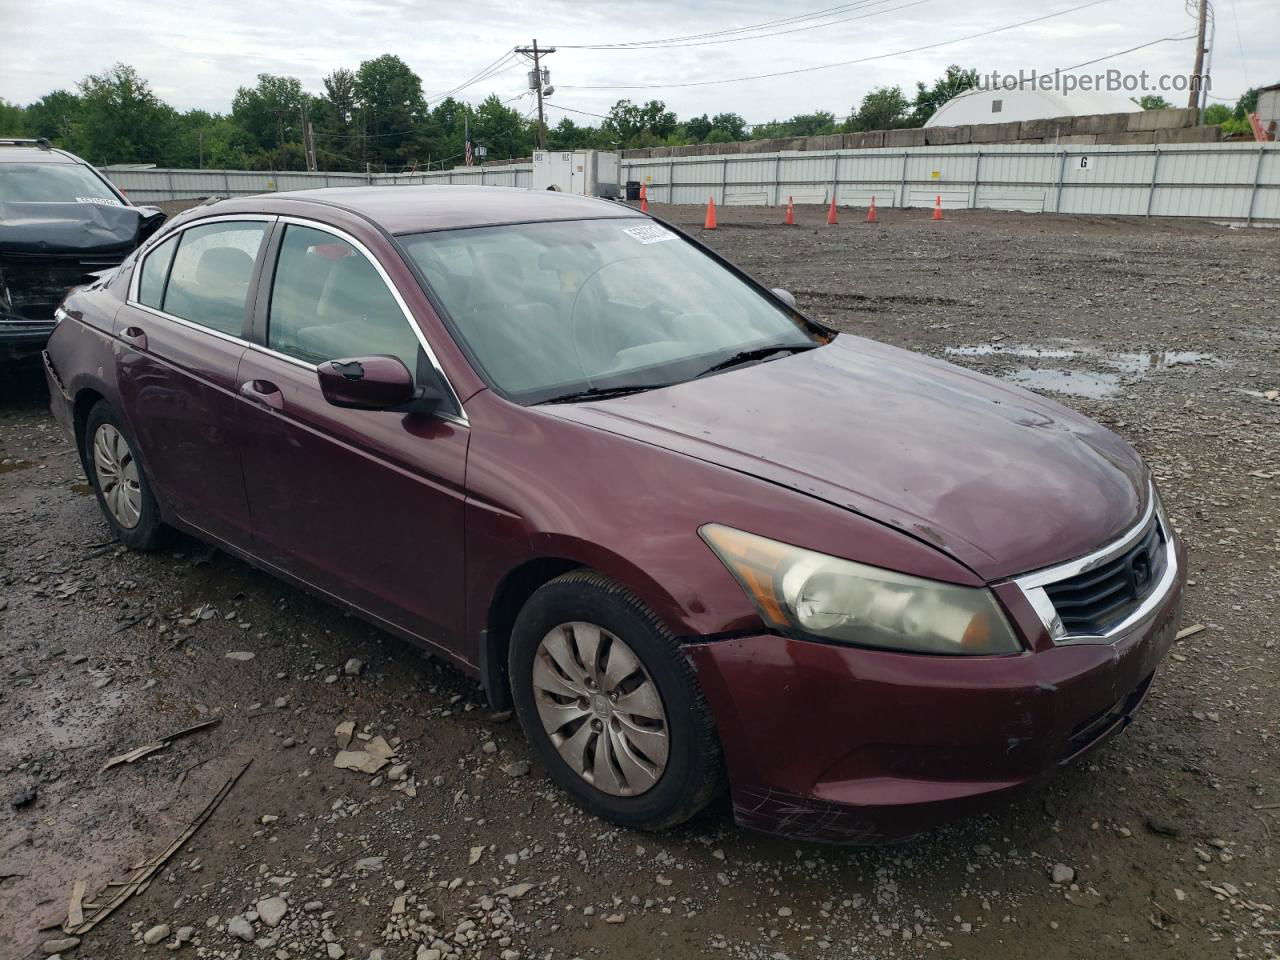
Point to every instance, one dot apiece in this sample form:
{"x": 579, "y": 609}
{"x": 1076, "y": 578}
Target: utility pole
{"x": 1193, "y": 100}
{"x": 537, "y": 85}
{"x": 308, "y": 139}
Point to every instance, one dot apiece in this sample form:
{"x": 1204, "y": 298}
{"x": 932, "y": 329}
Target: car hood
{"x": 39, "y": 229}
{"x": 1000, "y": 478}
{"x": 47, "y": 248}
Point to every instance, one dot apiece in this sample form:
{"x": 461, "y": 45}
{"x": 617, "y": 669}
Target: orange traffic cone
{"x": 832, "y": 218}
{"x": 710, "y": 223}
{"x": 937, "y": 208}
{"x": 790, "y": 221}
{"x": 871, "y": 211}
{"x": 644, "y": 199}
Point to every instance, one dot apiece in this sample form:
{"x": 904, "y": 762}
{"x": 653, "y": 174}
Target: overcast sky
{"x": 197, "y": 54}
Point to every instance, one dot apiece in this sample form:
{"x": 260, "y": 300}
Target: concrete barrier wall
{"x": 1120, "y": 129}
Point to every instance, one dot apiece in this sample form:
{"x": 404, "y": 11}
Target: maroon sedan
{"x": 692, "y": 536}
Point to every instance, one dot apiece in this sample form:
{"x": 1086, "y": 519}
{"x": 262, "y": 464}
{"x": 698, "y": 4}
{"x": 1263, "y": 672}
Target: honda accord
{"x": 694, "y": 538}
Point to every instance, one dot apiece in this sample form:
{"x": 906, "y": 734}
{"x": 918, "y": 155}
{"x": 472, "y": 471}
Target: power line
{"x": 493, "y": 69}
{"x": 585, "y": 113}
{"x": 1244, "y": 65}
{"x": 757, "y": 36}
{"x": 842, "y": 63}
{"x": 479, "y": 75}
{"x": 829, "y": 11}
{"x": 1087, "y": 63}
{"x": 1121, "y": 53}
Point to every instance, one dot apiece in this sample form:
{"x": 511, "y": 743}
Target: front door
{"x": 366, "y": 505}
{"x": 180, "y": 339}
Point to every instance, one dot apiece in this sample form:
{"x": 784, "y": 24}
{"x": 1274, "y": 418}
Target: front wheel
{"x": 119, "y": 482}
{"x": 611, "y": 706}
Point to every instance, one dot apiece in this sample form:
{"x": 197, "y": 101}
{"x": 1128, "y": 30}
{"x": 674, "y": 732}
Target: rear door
{"x": 181, "y": 337}
{"x": 364, "y": 504}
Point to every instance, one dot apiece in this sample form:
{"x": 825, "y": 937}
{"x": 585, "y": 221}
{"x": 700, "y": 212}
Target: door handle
{"x": 263, "y": 392}
{"x": 134, "y": 336}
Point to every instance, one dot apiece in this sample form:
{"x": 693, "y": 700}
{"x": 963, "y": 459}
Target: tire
{"x": 635, "y": 790}
{"x": 124, "y": 495}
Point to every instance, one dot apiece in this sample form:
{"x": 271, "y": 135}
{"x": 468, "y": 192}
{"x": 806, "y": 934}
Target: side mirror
{"x": 785, "y": 296}
{"x": 374, "y": 383}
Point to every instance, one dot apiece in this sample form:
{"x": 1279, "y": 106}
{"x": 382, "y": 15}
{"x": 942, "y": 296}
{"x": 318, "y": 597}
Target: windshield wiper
{"x": 759, "y": 353}
{"x": 600, "y": 393}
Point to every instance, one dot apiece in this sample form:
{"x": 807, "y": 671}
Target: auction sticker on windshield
{"x": 649, "y": 233}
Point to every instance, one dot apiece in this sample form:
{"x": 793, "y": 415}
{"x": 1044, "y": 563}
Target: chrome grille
{"x": 1092, "y": 602}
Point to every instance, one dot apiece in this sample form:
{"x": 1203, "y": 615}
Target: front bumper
{"x": 845, "y": 745}
{"x": 22, "y": 339}
{"x": 60, "y": 402}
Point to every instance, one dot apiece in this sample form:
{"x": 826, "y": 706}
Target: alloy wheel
{"x": 600, "y": 708}
{"x": 117, "y": 472}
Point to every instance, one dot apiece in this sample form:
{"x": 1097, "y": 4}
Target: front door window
{"x": 329, "y": 302}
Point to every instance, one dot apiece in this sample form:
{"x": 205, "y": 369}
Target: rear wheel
{"x": 611, "y": 706}
{"x": 119, "y": 482}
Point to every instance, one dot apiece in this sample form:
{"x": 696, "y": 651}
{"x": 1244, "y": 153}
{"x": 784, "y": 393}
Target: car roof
{"x": 417, "y": 209}
{"x": 34, "y": 152}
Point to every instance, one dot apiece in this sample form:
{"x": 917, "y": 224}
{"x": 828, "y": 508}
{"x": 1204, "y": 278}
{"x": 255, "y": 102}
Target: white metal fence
{"x": 150, "y": 186}
{"x": 1228, "y": 181}
{"x": 1235, "y": 181}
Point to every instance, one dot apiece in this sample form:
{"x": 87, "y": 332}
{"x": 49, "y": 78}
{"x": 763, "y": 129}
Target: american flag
{"x": 470, "y": 154}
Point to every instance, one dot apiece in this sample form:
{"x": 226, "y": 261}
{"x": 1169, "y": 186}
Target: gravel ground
{"x": 1158, "y": 844}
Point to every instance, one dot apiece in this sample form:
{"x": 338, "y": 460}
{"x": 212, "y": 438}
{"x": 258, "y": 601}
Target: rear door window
{"x": 155, "y": 270}
{"x": 211, "y": 272}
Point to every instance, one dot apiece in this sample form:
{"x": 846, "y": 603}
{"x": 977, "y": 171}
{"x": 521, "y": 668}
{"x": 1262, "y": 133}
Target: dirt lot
{"x": 1168, "y": 333}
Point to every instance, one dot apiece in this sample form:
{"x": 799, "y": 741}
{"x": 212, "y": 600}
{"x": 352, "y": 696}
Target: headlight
{"x": 799, "y": 591}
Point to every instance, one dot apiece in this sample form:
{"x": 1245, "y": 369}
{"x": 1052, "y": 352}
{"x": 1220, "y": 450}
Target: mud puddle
{"x": 1109, "y": 370}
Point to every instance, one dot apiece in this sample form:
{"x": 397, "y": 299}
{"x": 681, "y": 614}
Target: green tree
{"x": 56, "y": 117}
{"x": 121, "y": 120}
{"x": 801, "y": 125}
{"x": 389, "y": 96}
{"x": 215, "y": 141}
{"x": 440, "y": 137}
{"x": 271, "y": 114}
{"x": 1152, "y": 102}
{"x": 812, "y": 124}
{"x": 340, "y": 96}
{"x": 12, "y": 119}
{"x": 1217, "y": 113}
{"x": 929, "y": 98}
{"x": 631, "y": 125}
{"x": 883, "y": 108}
{"x": 730, "y": 124}
{"x": 1247, "y": 104}
{"x": 567, "y": 135}
{"x": 501, "y": 130}
{"x": 697, "y": 128}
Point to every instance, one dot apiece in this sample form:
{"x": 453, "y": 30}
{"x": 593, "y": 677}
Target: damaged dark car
{"x": 61, "y": 223}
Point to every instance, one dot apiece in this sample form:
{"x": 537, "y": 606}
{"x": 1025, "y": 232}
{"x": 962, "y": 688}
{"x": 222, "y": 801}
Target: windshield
{"x": 550, "y": 310}
{"x": 52, "y": 183}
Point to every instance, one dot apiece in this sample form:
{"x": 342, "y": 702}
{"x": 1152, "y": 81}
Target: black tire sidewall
{"x": 693, "y": 759}
{"x": 150, "y": 530}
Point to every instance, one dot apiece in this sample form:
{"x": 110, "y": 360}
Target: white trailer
{"x": 588, "y": 173}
